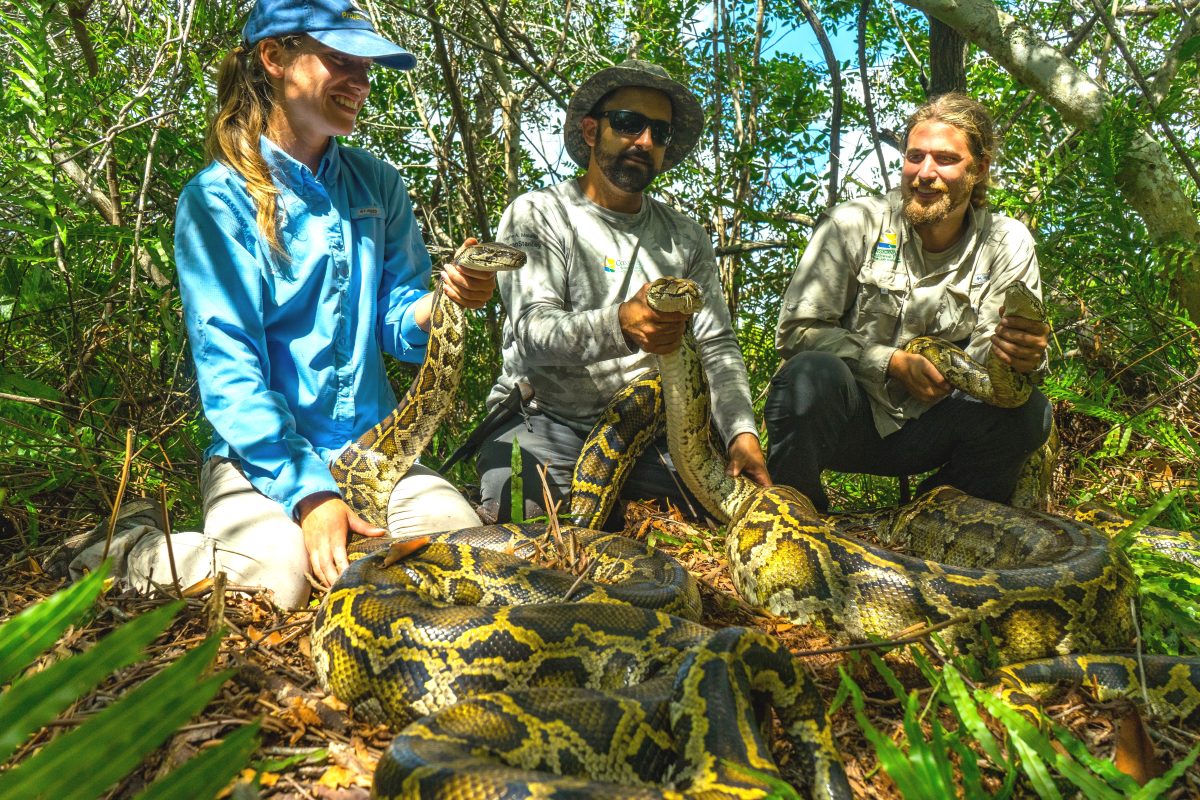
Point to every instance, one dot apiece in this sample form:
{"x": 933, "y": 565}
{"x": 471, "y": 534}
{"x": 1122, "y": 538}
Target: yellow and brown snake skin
{"x": 368, "y": 469}
{"x": 1044, "y": 586}
{"x": 511, "y": 680}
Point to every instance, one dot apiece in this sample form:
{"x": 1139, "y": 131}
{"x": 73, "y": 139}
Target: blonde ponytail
{"x": 244, "y": 103}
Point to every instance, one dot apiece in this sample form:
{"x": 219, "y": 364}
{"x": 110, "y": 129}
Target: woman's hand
{"x": 326, "y": 522}
{"x": 470, "y": 288}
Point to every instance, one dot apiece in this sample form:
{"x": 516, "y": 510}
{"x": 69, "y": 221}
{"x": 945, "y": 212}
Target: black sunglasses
{"x": 632, "y": 123}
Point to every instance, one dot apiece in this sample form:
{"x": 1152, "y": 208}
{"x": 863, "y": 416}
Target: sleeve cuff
{"x": 410, "y": 330}
{"x": 307, "y": 484}
{"x": 616, "y": 335}
{"x": 738, "y": 431}
{"x": 873, "y": 364}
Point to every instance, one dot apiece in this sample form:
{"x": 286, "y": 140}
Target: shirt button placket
{"x": 342, "y": 344}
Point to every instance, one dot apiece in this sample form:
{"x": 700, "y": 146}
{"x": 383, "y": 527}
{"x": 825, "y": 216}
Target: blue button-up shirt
{"x": 288, "y": 351}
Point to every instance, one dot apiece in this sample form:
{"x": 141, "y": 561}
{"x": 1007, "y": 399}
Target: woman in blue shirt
{"x": 300, "y": 262}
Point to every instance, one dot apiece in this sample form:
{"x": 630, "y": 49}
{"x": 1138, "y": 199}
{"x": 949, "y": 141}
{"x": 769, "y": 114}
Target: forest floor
{"x": 312, "y": 748}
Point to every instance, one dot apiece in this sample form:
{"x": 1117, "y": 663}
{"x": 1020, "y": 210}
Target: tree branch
{"x": 483, "y": 227}
{"x": 868, "y": 103}
{"x": 1166, "y": 73}
{"x": 835, "y": 115}
{"x": 1068, "y": 50}
{"x": 515, "y": 54}
{"x": 739, "y": 247}
{"x": 1147, "y": 92}
{"x": 1155, "y": 10}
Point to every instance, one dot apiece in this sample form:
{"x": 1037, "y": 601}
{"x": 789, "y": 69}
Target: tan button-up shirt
{"x": 865, "y": 287}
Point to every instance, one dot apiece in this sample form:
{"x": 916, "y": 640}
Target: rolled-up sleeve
{"x": 221, "y": 287}
{"x": 820, "y": 293}
{"x": 1013, "y": 260}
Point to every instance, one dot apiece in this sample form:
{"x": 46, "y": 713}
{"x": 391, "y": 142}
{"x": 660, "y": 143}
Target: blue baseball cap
{"x": 339, "y": 24}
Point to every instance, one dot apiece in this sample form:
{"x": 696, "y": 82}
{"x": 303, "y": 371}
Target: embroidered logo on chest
{"x": 887, "y": 249}
{"x": 614, "y": 265}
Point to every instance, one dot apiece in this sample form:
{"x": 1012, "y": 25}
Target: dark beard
{"x": 630, "y": 171}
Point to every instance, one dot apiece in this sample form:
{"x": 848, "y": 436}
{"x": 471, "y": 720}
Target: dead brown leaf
{"x": 1134, "y": 754}
{"x": 337, "y": 777}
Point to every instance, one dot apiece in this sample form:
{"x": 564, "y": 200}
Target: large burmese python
{"x": 368, "y": 469}
{"x": 510, "y": 690}
{"x": 1020, "y": 585}
{"x": 994, "y": 382}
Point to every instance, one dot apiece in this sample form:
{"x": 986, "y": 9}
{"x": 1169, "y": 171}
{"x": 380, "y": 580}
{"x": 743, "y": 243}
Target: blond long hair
{"x": 970, "y": 117}
{"x": 244, "y": 103}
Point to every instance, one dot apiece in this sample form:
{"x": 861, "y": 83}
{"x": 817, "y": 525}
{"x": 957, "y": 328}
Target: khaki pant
{"x": 250, "y": 538}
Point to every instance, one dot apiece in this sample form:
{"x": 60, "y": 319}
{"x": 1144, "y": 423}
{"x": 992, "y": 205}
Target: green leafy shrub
{"x": 88, "y": 760}
{"x": 956, "y": 754}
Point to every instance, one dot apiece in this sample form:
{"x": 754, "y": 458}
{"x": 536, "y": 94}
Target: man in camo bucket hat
{"x": 578, "y": 327}
{"x": 687, "y": 119}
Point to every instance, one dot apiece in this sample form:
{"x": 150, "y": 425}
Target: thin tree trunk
{"x": 947, "y": 59}
{"x": 462, "y": 121}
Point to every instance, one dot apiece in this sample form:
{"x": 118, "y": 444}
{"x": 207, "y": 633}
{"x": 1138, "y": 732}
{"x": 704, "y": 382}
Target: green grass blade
{"x": 1101, "y": 766}
{"x": 1035, "y": 768}
{"x": 32, "y": 702}
{"x": 29, "y": 633}
{"x": 1158, "y": 787}
{"x": 968, "y": 714}
{"x": 891, "y": 758}
{"x": 85, "y": 762}
{"x": 941, "y": 752}
{"x": 516, "y": 484}
{"x": 922, "y": 757}
{"x": 972, "y": 778}
{"x": 888, "y": 676}
{"x": 208, "y": 772}
{"x": 1123, "y": 539}
{"x": 1033, "y": 740}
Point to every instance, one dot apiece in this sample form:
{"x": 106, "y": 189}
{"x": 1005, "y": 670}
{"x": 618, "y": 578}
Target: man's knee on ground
{"x": 808, "y": 382}
{"x": 1031, "y": 422}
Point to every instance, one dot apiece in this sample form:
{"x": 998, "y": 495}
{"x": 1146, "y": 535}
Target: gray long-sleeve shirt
{"x": 864, "y": 288}
{"x": 562, "y": 333}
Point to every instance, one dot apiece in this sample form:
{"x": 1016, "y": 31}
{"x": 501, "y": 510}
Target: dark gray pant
{"x": 556, "y": 446}
{"x": 818, "y": 417}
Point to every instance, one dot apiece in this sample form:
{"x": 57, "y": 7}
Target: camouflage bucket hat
{"x": 688, "y": 118}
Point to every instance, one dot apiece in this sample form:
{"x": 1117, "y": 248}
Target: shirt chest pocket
{"x": 880, "y": 302}
{"x": 877, "y": 312}
{"x": 954, "y": 316}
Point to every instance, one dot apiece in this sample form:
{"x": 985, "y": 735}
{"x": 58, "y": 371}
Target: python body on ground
{"x": 505, "y": 688}
{"x": 1048, "y": 589}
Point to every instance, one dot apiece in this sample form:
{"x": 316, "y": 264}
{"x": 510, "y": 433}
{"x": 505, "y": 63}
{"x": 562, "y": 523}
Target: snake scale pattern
{"x": 503, "y": 686}
{"x": 511, "y": 680}
{"x": 370, "y": 466}
{"x": 1049, "y": 590}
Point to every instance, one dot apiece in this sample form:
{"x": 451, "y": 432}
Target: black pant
{"x": 556, "y": 446}
{"x": 818, "y": 417}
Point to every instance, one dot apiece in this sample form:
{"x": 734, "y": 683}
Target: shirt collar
{"x": 295, "y": 174}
